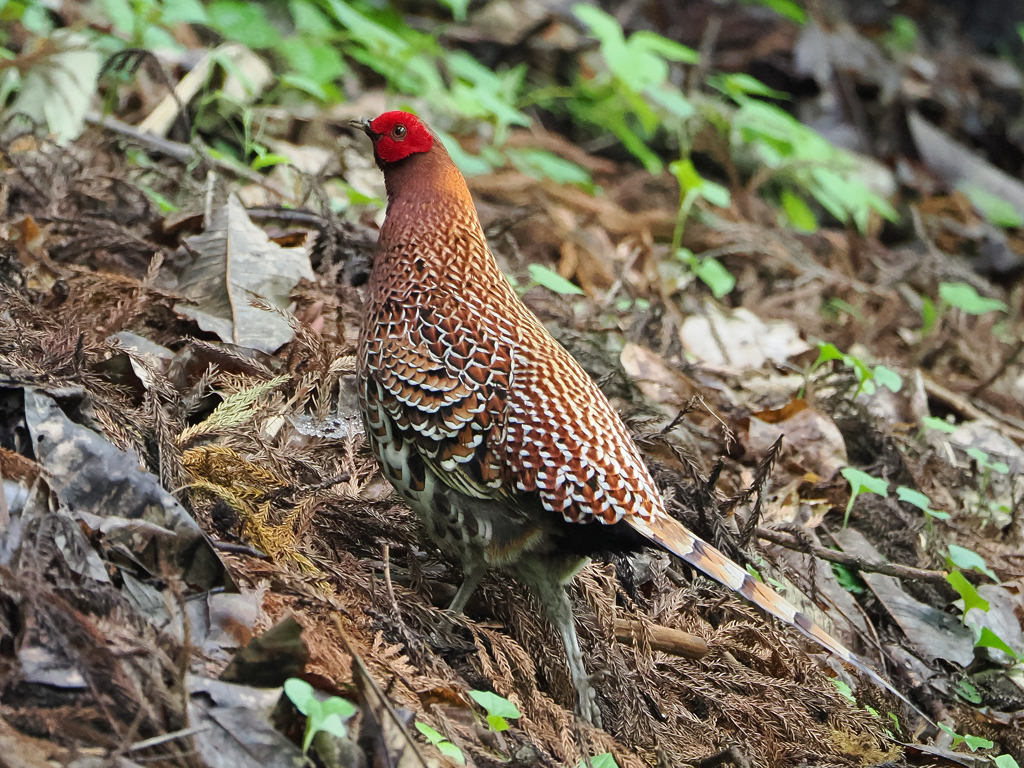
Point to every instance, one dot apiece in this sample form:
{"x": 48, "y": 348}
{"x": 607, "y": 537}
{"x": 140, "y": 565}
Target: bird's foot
{"x": 586, "y": 704}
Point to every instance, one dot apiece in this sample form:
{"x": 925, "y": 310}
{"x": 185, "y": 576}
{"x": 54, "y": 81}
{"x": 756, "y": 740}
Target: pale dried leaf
{"x": 235, "y": 262}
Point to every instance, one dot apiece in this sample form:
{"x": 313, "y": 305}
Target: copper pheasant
{"x": 490, "y": 430}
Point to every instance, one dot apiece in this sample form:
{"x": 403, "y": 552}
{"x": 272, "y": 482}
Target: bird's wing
{"x": 566, "y": 442}
{"x": 441, "y": 380}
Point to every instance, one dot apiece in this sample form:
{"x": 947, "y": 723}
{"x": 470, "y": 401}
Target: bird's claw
{"x": 586, "y": 706}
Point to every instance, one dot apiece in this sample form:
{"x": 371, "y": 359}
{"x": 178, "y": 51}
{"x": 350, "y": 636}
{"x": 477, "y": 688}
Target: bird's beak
{"x": 362, "y": 124}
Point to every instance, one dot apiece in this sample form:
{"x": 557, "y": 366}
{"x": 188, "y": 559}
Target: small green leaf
{"x": 553, "y": 282}
{"x": 539, "y": 163}
{"x": 669, "y": 49}
{"x": 431, "y": 735}
{"x": 334, "y": 725}
{"x": 938, "y": 424}
{"x": 920, "y": 501}
{"x": 468, "y": 163}
{"x": 986, "y": 463}
{"x": 245, "y": 22}
{"x": 120, "y": 13}
{"x": 974, "y": 743}
{"x": 957, "y": 738}
{"x": 604, "y": 760}
{"x": 305, "y": 84}
{"x": 266, "y": 159}
{"x": 336, "y": 705}
{"x": 329, "y": 715}
{"x": 888, "y": 378}
{"x": 309, "y": 19}
{"x": 860, "y": 482}
{"x": 166, "y": 206}
{"x": 716, "y": 277}
{"x": 495, "y": 704}
{"x": 452, "y": 752}
{"x": 967, "y": 592}
{"x": 844, "y": 689}
{"x": 848, "y": 579}
{"x": 978, "y": 455}
{"x": 686, "y": 174}
{"x": 966, "y": 298}
{"x": 1006, "y": 761}
{"x": 691, "y": 181}
{"x": 904, "y": 33}
{"x": 929, "y": 315}
{"x": 670, "y": 98}
{"x": 497, "y": 723}
{"x": 789, "y": 9}
{"x": 827, "y": 352}
{"x": 994, "y": 208}
{"x": 300, "y": 693}
{"x": 742, "y": 84}
{"x": 989, "y": 639}
{"x": 966, "y": 559}
{"x": 965, "y": 689}
{"x": 183, "y": 12}
{"x": 458, "y": 8}
{"x": 716, "y": 194}
{"x": 799, "y": 214}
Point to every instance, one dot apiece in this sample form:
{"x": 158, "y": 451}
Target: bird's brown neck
{"x": 431, "y": 220}
{"x": 425, "y": 180}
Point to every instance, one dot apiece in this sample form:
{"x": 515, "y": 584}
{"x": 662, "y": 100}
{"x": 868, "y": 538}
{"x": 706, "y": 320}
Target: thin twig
{"x": 240, "y": 549}
{"x": 841, "y": 558}
{"x": 185, "y": 154}
{"x": 157, "y": 740}
{"x": 386, "y": 557}
{"x": 964, "y": 407}
{"x": 359, "y": 667}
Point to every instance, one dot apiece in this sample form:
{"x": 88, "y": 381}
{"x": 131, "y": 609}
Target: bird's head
{"x": 396, "y": 136}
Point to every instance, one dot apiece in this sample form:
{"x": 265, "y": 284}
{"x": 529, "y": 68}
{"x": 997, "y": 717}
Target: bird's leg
{"x": 471, "y": 578}
{"x": 547, "y": 581}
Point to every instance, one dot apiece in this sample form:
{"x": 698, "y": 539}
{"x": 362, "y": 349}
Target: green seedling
{"x": 919, "y": 500}
{"x": 604, "y": 760}
{"x": 967, "y": 691}
{"x": 552, "y": 281}
{"x": 710, "y": 271}
{"x": 867, "y": 377}
{"x": 328, "y": 715}
{"x": 973, "y": 743}
{"x": 861, "y": 482}
{"x": 968, "y": 559}
{"x": 986, "y": 463}
{"x": 939, "y": 425}
{"x": 499, "y": 710}
{"x": 444, "y": 746}
{"x": 968, "y": 594}
{"x": 965, "y": 298}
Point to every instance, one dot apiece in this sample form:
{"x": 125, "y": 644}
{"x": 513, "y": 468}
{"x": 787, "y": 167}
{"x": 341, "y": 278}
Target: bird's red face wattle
{"x": 397, "y": 135}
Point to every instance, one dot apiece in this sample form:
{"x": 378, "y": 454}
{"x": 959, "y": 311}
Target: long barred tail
{"x": 677, "y": 539}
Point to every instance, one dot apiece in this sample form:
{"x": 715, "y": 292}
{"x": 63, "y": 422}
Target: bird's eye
{"x": 399, "y": 132}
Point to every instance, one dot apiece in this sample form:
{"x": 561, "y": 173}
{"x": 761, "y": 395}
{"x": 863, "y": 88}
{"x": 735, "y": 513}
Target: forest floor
{"x": 190, "y": 514}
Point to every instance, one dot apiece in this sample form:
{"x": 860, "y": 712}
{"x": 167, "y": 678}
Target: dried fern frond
{"x": 235, "y": 410}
